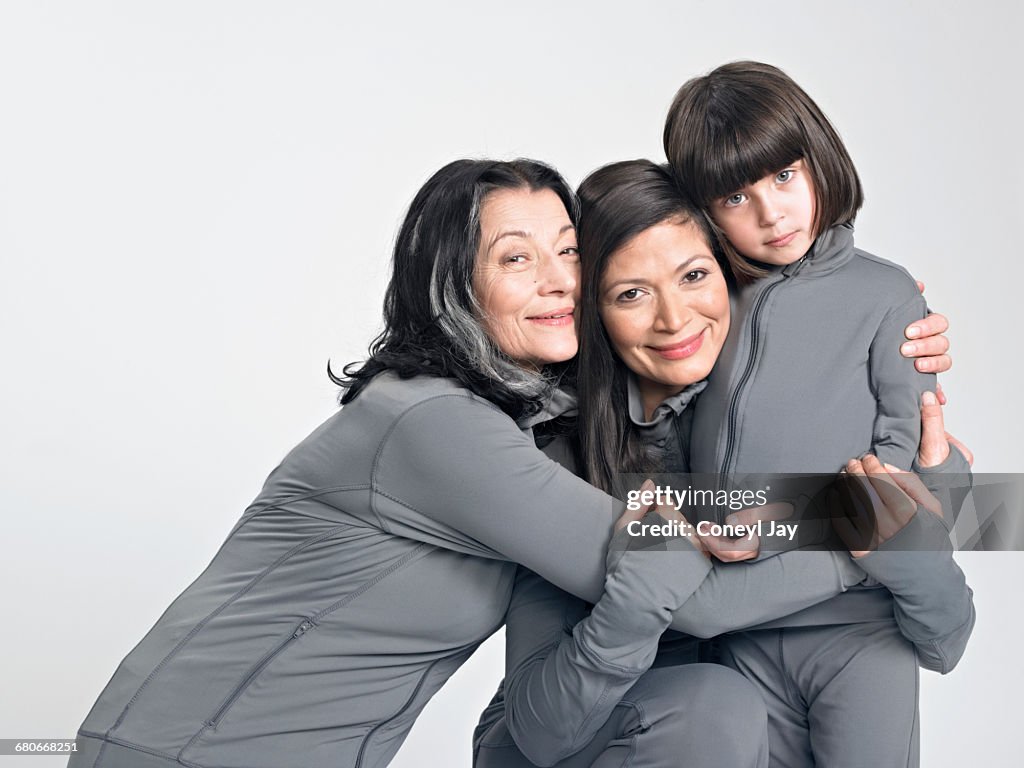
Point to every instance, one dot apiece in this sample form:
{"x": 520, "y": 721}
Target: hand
{"x": 889, "y": 499}
{"x": 935, "y": 440}
{"x": 731, "y": 550}
{"x": 927, "y": 343}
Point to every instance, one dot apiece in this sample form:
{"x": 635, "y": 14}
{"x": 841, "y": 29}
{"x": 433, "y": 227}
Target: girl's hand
{"x": 935, "y": 440}
{"x": 927, "y": 342}
{"x": 889, "y": 499}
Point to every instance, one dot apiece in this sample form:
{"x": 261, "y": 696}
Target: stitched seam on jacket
{"x": 387, "y": 435}
{"x": 401, "y": 710}
{"x": 198, "y": 627}
{"x": 248, "y": 678}
{"x": 137, "y": 747}
{"x": 302, "y": 497}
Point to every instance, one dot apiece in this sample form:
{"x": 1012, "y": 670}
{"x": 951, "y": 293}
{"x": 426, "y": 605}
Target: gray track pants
{"x": 693, "y": 716}
{"x": 837, "y": 696}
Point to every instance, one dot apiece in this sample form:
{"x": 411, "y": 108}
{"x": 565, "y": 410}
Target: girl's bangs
{"x": 743, "y": 153}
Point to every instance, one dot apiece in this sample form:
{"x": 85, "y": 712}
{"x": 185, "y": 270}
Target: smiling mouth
{"x": 682, "y": 349}
{"x": 563, "y": 316}
{"x": 779, "y": 242}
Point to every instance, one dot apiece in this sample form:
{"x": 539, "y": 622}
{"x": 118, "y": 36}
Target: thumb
{"x": 933, "y": 449}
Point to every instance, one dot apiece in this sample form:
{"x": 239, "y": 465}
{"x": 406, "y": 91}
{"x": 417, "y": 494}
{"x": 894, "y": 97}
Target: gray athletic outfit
{"x": 574, "y": 697}
{"x": 377, "y": 557}
{"x": 809, "y": 377}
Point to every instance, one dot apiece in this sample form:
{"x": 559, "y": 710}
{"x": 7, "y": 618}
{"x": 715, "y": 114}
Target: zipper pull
{"x": 303, "y": 628}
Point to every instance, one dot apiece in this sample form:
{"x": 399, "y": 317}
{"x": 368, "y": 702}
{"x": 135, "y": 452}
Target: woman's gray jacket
{"x": 377, "y": 557}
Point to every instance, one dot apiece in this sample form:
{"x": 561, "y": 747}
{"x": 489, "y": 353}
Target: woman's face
{"x": 527, "y": 276}
{"x": 665, "y": 305}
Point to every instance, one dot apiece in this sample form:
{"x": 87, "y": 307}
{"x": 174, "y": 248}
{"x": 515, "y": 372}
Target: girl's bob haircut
{"x": 746, "y": 120}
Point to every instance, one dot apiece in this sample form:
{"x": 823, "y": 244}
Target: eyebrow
{"x": 525, "y": 235}
{"x": 681, "y": 268}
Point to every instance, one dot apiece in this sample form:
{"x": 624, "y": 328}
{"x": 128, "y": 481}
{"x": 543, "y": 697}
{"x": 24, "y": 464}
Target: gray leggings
{"x": 692, "y": 716}
{"x": 838, "y": 696}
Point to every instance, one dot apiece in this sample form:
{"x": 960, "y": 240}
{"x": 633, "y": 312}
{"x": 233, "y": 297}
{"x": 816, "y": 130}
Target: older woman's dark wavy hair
{"x": 431, "y": 315}
{"x": 618, "y": 202}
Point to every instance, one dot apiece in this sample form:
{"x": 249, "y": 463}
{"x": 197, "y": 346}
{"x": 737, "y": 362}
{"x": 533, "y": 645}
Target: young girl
{"x": 759, "y": 156}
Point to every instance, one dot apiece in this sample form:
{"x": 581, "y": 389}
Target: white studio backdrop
{"x": 197, "y": 201}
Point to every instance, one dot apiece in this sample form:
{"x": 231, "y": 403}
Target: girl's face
{"x": 527, "y": 276}
{"x": 665, "y": 305}
{"x": 771, "y": 220}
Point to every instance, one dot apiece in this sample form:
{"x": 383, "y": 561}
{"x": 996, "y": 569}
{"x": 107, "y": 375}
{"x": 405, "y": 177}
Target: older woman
{"x": 383, "y": 550}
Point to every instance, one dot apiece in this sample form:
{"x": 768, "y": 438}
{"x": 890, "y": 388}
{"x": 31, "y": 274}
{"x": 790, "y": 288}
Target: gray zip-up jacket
{"x": 561, "y": 685}
{"x": 377, "y": 557}
{"x": 811, "y": 376}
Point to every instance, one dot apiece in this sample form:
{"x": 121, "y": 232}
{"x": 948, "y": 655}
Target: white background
{"x": 197, "y": 201}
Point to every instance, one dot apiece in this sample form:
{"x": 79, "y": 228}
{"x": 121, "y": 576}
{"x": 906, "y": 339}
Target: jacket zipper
{"x": 733, "y": 415}
{"x": 300, "y": 630}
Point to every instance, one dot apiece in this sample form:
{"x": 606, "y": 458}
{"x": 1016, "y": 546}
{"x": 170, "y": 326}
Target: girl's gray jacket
{"x": 810, "y": 376}
{"x": 377, "y": 557}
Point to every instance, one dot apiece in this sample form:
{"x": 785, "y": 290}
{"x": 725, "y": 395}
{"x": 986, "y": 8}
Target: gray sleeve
{"x": 897, "y": 386}
{"x": 459, "y": 474}
{"x": 740, "y": 595}
{"x": 566, "y": 671}
{"x": 933, "y": 605}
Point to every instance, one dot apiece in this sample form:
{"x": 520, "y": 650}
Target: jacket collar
{"x": 659, "y": 427}
{"x": 831, "y": 249}
{"x": 561, "y": 403}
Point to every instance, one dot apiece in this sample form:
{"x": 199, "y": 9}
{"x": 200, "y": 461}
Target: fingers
{"x": 920, "y": 286}
{"x": 911, "y": 485}
{"x": 731, "y": 550}
{"x": 933, "y": 448}
{"x": 893, "y": 508}
{"x": 937, "y": 364}
{"x": 939, "y": 393}
{"x": 779, "y": 510}
{"x": 845, "y": 525}
{"x": 932, "y": 325}
{"x": 747, "y": 547}
{"x": 967, "y": 452}
{"x": 927, "y": 347}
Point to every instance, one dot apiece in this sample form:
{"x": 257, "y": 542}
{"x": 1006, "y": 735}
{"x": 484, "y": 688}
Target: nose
{"x": 670, "y": 316}
{"x": 558, "y": 274}
{"x": 769, "y": 210}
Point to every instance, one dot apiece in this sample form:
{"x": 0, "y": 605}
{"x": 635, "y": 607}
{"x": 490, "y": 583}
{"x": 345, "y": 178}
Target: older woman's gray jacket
{"x": 378, "y": 556}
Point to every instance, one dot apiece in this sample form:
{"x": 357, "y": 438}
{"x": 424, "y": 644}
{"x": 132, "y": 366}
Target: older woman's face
{"x": 665, "y": 305}
{"x": 527, "y": 276}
